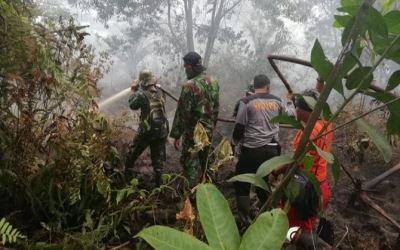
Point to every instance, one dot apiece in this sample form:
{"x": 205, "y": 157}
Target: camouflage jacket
{"x": 199, "y": 101}
{"x": 141, "y": 99}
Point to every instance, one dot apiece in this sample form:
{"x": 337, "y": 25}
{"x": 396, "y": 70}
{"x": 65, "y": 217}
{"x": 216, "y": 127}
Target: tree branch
{"x": 231, "y": 8}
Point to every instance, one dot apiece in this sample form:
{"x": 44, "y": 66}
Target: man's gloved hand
{"x": 134, "y": 85}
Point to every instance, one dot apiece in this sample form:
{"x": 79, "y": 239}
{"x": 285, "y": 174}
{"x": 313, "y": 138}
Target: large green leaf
{"x": 319, "y": 61}
{"x": 393, "y": 123}
{"x": 216, "y": 218}
{"x": 326, "y": 155}
{"x": 350, "y": 61}
{"x": 381, "y": 45}
{"x": 165, "y": 238}
{"x": 342, "y": 21}
{"x": 387, "y": 4}
{"x": 268, "y": 232}
{"x": 345, "y": 3}
{"x": 358, "y": 77}
{"x": 308, "y": 161}
{"x": 379, "y": 140}
{"x": 252, "y": 179}
{"x": 394, "y": 81}
{"x": 351, "y": 9}
{"x": 392, "y": 20}
{"x": 376, "y": 23}
{"x": 267, "y": 167}
{"x": 284, "y": 119}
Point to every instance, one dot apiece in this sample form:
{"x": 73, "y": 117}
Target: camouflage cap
{"x": 146, "y": 77}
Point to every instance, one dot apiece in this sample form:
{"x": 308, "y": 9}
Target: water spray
{"x": 115, "y": 97}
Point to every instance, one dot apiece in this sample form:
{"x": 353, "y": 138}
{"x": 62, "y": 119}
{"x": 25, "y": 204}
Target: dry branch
{"x": 372, "y": 183}
{"x": 364, "y": 197}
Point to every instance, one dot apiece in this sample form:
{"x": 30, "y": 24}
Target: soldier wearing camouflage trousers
{"x": 153, "y": 128}
{"x": 198, "y": 102}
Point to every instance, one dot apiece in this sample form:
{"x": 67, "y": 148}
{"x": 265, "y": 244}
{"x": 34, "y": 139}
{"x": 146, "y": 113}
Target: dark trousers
{"x": 249, "y": 161}
{"x": 157, "y": 151}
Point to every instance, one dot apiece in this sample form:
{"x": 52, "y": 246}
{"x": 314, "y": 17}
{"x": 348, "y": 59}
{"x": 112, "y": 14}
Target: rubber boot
{"x": 243, "y": 207}
{"x": 310, "y": 241}
{"x": 157, "y": 178}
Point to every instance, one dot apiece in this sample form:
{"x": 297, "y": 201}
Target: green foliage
{"x": 162, "y": 237}
{"x": 216, "y": 218}
{"x": 267, "y": 232}
{"x": 360, "y": 78}
{"x": 392, "y": 21}
{"x": 252, "y": 179}
{"x": 273, "y": 163}
{"x": 394, "y": 81}
{"x": 377, "y": 138}
{"x": 8, "y": 234}
{"x": 322, "y": 64}
{"x": 319, "y": 61}
{"x": 283, "y": 119}
{"x": 326, "y": 155}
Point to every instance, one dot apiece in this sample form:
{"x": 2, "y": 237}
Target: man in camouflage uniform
{"x": 153, "y": 128}
{"x": 198, "y": 102}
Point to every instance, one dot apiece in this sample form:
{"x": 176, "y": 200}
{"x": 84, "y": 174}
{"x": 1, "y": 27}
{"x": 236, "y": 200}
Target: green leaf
{"x": 319, "y": 61}
{"x": 392, "y": 20}
{"x": 314, "y": 181}
{"x": 252, "y": 179}
{"x": 393, "y": 123}
{"x": 394, "y": 81}
{"x": 351, "y": 9}
{"x": 326, "y": 112}
{"x": 216, "y": 218}
{"x": 308, "y": 162}
{"x": 358, "y": 78}
{"x": 379, "y": 140}
{"x": 267, "y": 167}
{"x": 347, "y": 29}
{"x": 336, "y": 169}
{"x": 120, "y": 195}
{"x": 342, "y": 21}
{"x": 381, "y": 45}
{"x": 345, "y": 3}
{"x": 165, "y": 238}
{"x": 326, "y": 155}
{"x": 311, "y": 102}
{"x": 292, "y": 190}
{"x": 267, "y": 232}
{"x": 387, "y": 4}
{"x": 284, "y": 119}
{"x": 376, "y": 23}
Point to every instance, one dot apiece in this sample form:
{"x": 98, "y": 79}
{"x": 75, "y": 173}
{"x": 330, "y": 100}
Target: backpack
{"x": 306, "y": 203}
{"x": 156, "y": 122}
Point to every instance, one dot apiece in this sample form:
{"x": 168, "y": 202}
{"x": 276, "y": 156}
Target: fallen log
{"x": 372, "y": 183}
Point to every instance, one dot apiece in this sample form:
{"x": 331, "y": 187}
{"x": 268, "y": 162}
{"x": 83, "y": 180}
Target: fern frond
{"x": 9, "y": 234}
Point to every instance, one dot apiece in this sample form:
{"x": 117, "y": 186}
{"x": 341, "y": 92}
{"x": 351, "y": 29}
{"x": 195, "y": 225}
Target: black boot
{"x": 310, "y": 241}
{"x": 243, "y": 207}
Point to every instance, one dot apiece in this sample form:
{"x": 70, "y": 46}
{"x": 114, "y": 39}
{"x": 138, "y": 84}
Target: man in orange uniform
{"x": 319, "y": 169}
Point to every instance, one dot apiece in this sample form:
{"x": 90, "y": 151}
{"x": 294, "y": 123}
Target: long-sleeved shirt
{"x": 198, "y": 102}
{"x": 253, "y": 122}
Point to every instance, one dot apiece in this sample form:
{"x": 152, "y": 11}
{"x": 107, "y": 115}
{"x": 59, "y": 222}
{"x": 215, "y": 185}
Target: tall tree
{"x": 199, "y": 22}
